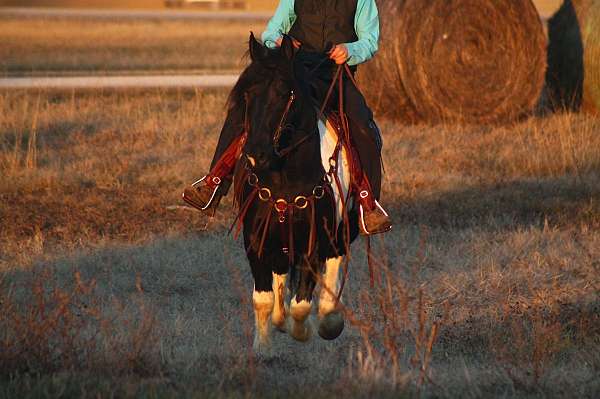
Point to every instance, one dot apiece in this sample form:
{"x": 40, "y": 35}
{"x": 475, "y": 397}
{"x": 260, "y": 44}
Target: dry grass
{"x": 137, "y": 4}
{"x": 48, "y": 46}
{"x": 545, "y": 7}
{"x": 488, "y": 285}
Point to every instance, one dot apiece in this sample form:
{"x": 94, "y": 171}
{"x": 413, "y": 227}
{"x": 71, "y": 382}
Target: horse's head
{"x": 279, "y": 111}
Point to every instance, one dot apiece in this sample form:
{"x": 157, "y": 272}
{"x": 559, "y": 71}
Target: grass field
{"x": 486, "y": 287}
{"x": 105, "y": 292}
{"x": 38, "y": 46}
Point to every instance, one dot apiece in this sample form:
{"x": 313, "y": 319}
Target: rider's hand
{"x": 339, "y": 53}
{"x": 295, "y": 42}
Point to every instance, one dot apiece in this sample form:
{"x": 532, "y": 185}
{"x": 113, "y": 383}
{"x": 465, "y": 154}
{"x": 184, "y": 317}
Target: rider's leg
{"x": 365, "y": 135}
{"x": 205, "y": 195}
{"x": 367, "y": 142}
{"x": 232, "y": 128}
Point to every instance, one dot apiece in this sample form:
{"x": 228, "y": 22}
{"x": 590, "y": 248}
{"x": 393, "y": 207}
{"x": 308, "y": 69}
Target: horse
{"x": 297, "y": 224}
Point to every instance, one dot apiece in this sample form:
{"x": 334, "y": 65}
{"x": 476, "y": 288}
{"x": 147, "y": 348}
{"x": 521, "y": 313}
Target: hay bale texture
{"x": 457, "y": 60}
{"x": 573, "y": 76}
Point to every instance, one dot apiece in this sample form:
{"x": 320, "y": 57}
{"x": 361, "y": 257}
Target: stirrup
{"x": 362, "y": 219}
{"x": 216, "y": 181}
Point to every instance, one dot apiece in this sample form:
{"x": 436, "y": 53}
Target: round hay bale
{"x": 460, "y": 60}
{"x": 379, "y": 79}
{"x": 573, "y": 76}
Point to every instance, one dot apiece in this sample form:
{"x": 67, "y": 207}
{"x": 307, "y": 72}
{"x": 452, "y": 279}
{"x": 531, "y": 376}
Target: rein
{"x": 286, "y": 208}
{"x": 279, "y": 130}
{"x": 340, "y": 121}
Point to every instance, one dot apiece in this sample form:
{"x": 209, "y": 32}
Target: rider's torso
{"x": 322, "y": 23}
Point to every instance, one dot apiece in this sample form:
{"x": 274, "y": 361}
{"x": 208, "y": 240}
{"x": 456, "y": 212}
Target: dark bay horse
{"x": 291, "y": 213}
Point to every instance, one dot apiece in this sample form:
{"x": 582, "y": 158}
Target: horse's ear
{"x": 287, "y": 47}
{"x": 257, "y": 50}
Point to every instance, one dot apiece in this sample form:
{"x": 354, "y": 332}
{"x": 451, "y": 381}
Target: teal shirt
{"x": 366, "y": 25}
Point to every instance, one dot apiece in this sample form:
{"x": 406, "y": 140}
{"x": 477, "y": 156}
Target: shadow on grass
{"x": 509, "y": 205}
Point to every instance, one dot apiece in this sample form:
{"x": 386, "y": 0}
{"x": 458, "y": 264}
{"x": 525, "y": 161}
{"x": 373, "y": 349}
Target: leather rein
{"x": 285, "y": 208}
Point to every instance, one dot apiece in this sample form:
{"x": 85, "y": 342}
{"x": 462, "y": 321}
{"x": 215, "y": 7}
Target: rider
{"x": 348, "y": 31}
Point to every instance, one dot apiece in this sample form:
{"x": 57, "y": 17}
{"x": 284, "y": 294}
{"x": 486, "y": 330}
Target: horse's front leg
{"x": 301, "y": 304}
{"x": 263, "y": 306}
{"x": 331, "y": 320}
{"x": 279, "y": 311}
{"x": 262, "y": 300}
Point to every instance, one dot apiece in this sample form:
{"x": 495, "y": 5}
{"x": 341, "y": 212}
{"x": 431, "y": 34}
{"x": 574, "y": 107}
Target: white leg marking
{"x": 330, "y": 287}
{"x": 328, "y": 143}
{"x": 278, "y": 316}
{"x": 300, "y": 312}
{"x": 263, "y": 306}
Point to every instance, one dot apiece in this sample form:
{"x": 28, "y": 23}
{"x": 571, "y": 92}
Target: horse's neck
{"x": 303, "y": 164}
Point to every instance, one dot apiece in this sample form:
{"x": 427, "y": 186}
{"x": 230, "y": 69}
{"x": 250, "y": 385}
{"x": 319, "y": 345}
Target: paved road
{"x": 131, "y": 14}
{"x": 93, "y": 82}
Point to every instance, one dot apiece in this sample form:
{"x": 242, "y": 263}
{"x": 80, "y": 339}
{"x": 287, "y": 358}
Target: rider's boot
{"x": 206, "y": 193}
{"x": 373, "y": 218}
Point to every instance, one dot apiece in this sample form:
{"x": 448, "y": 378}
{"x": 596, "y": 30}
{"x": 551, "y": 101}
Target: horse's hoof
{"x": 280, "y": 326}
{"x": 262, "y": 349}
{"x": 331, "y": 326}
{"x": 300, "y": 332}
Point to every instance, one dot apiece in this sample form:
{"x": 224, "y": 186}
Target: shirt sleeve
{"x": 366, "y": 25}
{"x": 280, "y": 23}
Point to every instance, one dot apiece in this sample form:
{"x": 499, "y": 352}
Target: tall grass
{"x": 487, "y": 286}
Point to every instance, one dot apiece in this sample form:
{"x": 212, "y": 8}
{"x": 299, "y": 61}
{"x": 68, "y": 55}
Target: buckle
{"x": 319, "y": 192}
{"x": 301, "y": 202}
{"x": 264, "y": 194}
{"x": 281, "y": 205}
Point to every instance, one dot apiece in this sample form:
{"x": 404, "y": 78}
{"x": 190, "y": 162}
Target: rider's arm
{"x": 280, "y": 23}
{"x": 366, "y": 25}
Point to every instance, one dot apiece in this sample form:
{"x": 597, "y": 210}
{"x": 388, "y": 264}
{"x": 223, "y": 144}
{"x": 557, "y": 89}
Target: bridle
{"x": 280, "y": 126}
{"x": 284, "y": 207}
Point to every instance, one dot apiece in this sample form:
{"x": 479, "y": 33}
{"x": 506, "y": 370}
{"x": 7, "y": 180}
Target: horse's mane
{"x": 260, "y": 72}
